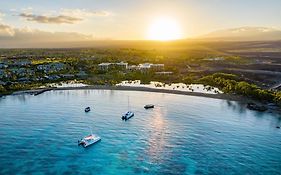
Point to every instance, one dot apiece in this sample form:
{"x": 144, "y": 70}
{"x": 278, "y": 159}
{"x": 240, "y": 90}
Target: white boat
{"x": 89, "y": 140}
{"x": 128, "y": 114}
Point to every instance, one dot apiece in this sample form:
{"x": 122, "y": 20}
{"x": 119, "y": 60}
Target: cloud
{"x": 26, "y": 37}
{"x": 6, "y": 31}
{"x": 65, "y": 16}
{"x": 60, "y": 19}
{"x": 83, "y": 13}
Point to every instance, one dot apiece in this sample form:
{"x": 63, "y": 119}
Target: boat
{"x": 89, "y": 140}
{"x": 148, "y": 106}
{"x": 128, "y": 114}
{"x": 87, "y": 109}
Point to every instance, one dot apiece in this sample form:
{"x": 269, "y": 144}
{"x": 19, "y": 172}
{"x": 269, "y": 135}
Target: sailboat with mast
{"x": 129, "y": 114}
{"x": 89, "y": 139}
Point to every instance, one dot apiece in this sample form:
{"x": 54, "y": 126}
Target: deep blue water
{"x": 182, "y": 135}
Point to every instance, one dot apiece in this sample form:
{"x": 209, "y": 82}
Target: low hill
{"x": 245, "y": 34}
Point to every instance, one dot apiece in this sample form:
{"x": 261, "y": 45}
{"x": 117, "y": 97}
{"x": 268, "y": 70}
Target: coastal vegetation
{"x": 2, "y": 89}
{"x": 22, "y": 69}
{"x": 230, "y": 83}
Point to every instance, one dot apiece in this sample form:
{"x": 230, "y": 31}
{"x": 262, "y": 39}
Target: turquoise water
{"x": 182, "y": 135}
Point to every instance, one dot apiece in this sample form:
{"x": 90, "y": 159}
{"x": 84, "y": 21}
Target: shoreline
{"x": 130, "y": 88}
{"x": 229, "y": 97}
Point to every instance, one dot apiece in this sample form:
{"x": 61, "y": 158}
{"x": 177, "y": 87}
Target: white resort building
{"x": 124, "y": 66}
{"x": 107, "y": 66}
{"x": 149, "y": 66}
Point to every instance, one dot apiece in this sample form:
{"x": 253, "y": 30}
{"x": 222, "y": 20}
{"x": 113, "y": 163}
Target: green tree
{"x": 2, "y": 89}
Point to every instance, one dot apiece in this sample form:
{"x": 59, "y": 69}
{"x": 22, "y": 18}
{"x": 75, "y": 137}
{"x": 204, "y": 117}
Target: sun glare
{"x": 164, "y": 29}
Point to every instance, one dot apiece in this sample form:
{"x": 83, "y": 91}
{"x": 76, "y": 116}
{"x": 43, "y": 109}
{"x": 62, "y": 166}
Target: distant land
{"x": 24, "y": 38}
{"x": 245, "y": 34}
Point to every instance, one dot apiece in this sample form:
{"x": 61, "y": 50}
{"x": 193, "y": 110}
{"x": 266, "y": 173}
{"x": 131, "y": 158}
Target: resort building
{"x": 21, "y": 62}
{"x": 145, "y": 66}
{"x": 52, "y": 67}
{"x": 133, "y": 67}
{"x": 157, "y": 66}
{"x": 148, "y": 66}
{"x": 121, "y": 65}
{"x": 125, "y": 66}
{"x": 106, "y": 66}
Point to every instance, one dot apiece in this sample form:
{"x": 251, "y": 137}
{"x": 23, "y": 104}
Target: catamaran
{"x": 128, "y": 114}
{"x": 89, "y": 140}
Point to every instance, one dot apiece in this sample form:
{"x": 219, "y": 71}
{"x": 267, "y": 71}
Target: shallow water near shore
{"x": 197, "y": 88}
{"x": 181, "y": 135}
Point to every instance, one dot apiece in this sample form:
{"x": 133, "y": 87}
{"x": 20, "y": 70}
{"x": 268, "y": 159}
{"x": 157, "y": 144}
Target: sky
{"x": 132, "y": 19}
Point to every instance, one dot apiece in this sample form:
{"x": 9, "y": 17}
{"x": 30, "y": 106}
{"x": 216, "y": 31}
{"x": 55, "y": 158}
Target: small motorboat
{"x": 148, "y": 106}
{"x": 87, "y": 109}
{"x": 89, "y": 140}
{"x": 127, "y": 115}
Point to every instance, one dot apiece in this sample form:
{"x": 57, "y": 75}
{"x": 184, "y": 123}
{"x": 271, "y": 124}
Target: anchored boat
{"x": 89, "y": 140}
{"x": 148, "y": 106}
{"x": 87, "y": 109}
{"x": 128, "y": 114}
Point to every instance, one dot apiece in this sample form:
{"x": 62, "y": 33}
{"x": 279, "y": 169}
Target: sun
{"x": 164, "y": 29}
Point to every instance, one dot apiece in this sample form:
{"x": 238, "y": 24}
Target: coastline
{"x": 130, "y": 88}
{"x": 229, "y": 97}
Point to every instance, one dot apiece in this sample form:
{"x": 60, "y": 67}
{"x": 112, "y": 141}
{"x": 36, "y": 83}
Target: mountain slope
{"x": 245, "y": 34}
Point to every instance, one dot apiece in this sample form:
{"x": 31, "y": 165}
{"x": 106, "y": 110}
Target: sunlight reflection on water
{"x": 181, "y": 135}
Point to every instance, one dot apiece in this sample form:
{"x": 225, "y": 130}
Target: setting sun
{"x": 164, "y": 29}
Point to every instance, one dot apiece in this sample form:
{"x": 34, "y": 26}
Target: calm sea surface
{"x": 181, "y": 135}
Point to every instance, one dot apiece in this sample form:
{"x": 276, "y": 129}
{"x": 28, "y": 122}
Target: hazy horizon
{"x": 36, "y": 22}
